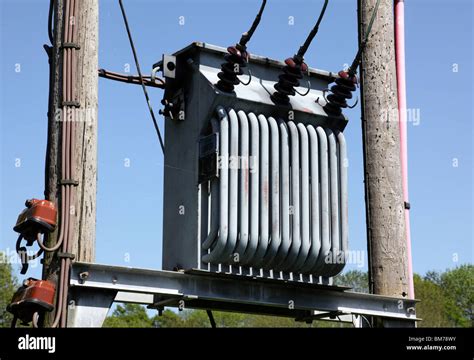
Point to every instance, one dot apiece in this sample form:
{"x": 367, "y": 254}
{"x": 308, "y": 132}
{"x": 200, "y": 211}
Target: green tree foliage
{"x": 458, "y": 285}
{"x": 8, "y": 285}
{"x": 129, "y": 316}
{"x": 197, "y": 319}
{"x": 432, "y": 308}
{"x": 263, "y": 321}
{"x": 136, "y": 316}
{"x": 168, "y": 319}
{"x": 357, "y": 280}
{"x": 458, "y": 294}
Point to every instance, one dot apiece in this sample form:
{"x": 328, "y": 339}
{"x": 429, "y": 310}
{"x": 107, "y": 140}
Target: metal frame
{"x": 94, "y": 287}
{"x": 189, "y": 84}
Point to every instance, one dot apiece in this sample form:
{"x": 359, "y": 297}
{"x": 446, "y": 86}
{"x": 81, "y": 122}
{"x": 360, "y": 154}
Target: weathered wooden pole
{"x": 83, "y": 152}
{"x": 381, "y": 140}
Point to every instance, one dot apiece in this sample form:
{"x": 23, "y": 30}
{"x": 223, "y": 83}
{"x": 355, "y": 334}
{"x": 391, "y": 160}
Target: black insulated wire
{"x": 347, "y": 81}
{"x": 237, "y": 58}
{"x": 357, "y": 59}
{"x": 246, "y": 36}
{"x": 312, "y": 34}
{"x": 211, "y": 319}
{"x": 295, "y": 67}
{"x": 52, "y": 4}
{"x": 137, "y": 64}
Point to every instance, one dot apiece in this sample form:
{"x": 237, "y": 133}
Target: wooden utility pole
{"x": 86, "y": 140}
{"x": 83, "y": 208}
{"x": 381, "y": 140}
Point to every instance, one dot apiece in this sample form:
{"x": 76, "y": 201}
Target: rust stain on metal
{"x": 265, "y": 193}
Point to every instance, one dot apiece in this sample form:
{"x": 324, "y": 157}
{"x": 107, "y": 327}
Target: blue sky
{"x": 129, "y": 203}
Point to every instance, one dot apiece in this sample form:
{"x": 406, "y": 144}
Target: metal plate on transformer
{"x": 208, "y": 157}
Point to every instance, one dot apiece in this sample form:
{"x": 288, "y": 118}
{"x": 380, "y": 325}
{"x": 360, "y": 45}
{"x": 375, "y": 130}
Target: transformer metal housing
{"x": 251, "y": 188}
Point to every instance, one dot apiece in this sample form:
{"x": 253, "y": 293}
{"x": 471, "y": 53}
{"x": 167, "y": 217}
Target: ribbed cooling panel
{"x": 279, "y": 203}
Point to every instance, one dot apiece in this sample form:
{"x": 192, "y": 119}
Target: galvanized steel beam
{"x": 200, "y": 289}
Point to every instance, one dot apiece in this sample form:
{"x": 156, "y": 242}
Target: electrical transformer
{"x": 251, "y": 187}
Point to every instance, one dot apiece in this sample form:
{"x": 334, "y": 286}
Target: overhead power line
{"x": 137, "y": 64}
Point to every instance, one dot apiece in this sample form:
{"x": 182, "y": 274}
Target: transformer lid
{"x": 257, "y": 59}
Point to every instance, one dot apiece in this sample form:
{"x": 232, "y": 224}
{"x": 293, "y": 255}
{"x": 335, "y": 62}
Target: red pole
{"x": 402, "y": 110}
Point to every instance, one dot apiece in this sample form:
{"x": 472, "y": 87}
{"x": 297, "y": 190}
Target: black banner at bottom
{"x": 163, "y": 343}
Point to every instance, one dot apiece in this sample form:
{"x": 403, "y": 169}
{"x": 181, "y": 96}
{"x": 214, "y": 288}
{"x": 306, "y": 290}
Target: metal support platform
{"x": 94, "y": 287}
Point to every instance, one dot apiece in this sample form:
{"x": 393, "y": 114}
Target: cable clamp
{"x": 73, "y": 103}
{"x": 69, "y": 45}
{"x": 65, "y": 255}
{"x": 69, "y": 182}
{"x": 407, "y": 205}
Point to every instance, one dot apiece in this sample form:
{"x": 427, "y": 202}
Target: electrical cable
{"x": 247, "y": 35}
{"x": 35, "y": 320}
{"x": 347, "y": 81}
{"x": 14, "y": 321}
{"x": 357, "y": 59}
{"x": 49, "y": 52}
{"x": 52, "y": 4}
{"x": 23, "y": 254}
{"x": 137, "y": 64}
{"x": 48, "y": 249}
{"x": 67, "y": 149}
{"x": 131, "y": 79}
{"x": 312, "y": 34}
{"x": 367, "y": 320}
{"x": 70, "y": 164}
{"x": 295, "y": 67}
{"x": 237, "y": 58}
{"x": 211, "y": 319}
{"x": 67, "y": 156}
